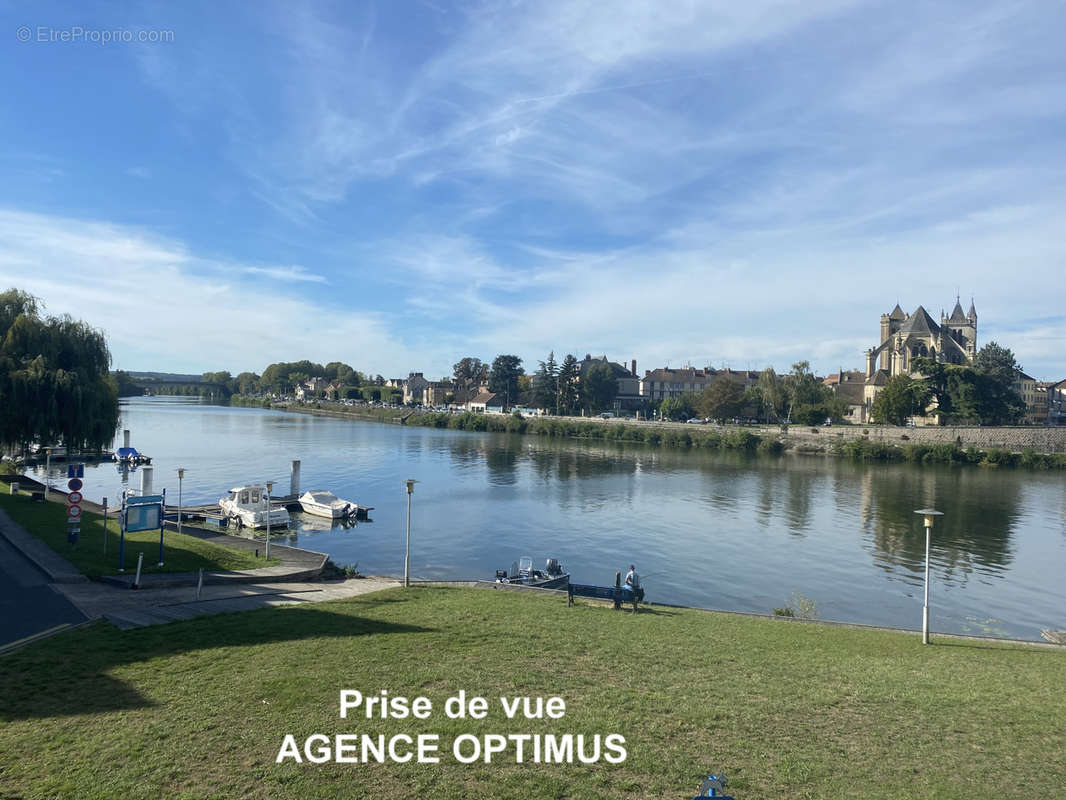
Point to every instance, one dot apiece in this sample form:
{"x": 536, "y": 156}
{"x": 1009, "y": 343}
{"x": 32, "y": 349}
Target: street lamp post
{"x": 181, "y": 474}
{"x": 410, "y": 482}
{"x": 928, "y": 514}
{"x": 47, "y": 471}
{"x": 270, "y": 488}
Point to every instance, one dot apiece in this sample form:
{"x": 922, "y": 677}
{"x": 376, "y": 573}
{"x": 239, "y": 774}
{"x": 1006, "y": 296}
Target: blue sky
{"x": 401, "y": 184}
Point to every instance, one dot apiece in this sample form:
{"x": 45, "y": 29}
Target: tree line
{"x": 55, "y": 384}
{"x": 981, "y": 393}
{"x": 798, "y": 396}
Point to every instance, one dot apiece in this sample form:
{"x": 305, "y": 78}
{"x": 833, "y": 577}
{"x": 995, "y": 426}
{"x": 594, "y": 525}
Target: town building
{"x": 1056, "y": 403}
{"x": 1025, "y": 387}
{"x": 438, "y": 393}
{"x": 414, "y": 388}
{"x": 850, "y": 386}
{"x": 628, "y": 397}
{"x": 659, "y": 384}
{"x": 309, "y": 389}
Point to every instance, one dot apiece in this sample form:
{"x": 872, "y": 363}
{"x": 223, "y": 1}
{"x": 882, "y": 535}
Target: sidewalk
{"x": 127, "y": 609}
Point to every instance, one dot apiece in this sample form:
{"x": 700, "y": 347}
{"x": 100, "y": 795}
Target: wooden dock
{"x": 290, "y": 502}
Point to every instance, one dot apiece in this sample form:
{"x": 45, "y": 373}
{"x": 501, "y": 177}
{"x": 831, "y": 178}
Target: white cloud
{"x": 163, "y": 307}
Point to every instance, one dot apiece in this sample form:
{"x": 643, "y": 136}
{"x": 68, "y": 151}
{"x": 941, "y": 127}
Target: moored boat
{"x": 129, "y": 455}
{"x": 323, "y": 503}
{"x": 553, "y": 576}
{"x": 247, "y": 507}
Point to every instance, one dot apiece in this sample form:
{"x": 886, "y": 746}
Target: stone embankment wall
{"x": 1015, "y": 439}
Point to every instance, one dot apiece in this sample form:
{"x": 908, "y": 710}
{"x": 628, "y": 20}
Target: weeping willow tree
{"x": 54, "y": 380}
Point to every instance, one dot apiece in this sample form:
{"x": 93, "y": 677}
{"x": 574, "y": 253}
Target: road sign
{"x": 75, "y": 484}
{"x": 74, "y": 513}
{"x": 74, "y": 498}
{"x": 75, "y": 470}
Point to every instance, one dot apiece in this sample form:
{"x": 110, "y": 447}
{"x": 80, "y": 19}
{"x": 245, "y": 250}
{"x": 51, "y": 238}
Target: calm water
{"x": 704, "y": 529}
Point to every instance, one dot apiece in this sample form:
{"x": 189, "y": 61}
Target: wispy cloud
{"x": 294, "y": 273}
{"x": 706, "y": 182}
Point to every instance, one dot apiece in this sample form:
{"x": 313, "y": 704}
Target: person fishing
{"x": 633, "y": 585}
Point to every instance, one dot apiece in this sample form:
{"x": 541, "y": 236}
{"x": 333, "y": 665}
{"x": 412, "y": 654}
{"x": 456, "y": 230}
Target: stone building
{"x": 905, "y": 337}
{"x": 628, "y": 397}
{"x": 659, "y": 384}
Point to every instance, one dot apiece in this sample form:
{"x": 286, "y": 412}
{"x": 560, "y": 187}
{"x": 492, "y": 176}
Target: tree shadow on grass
{"x": 68, "y": 674}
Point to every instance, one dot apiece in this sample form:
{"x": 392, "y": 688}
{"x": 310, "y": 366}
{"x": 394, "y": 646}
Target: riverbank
{"x": 785, "y": 709}
{"x": 858, "y": 443}
{"x": 47, "y": 522}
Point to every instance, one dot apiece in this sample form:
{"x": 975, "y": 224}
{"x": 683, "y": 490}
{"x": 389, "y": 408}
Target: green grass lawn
{"x": 48, "y": 522}
{"x": 199, "y": 709}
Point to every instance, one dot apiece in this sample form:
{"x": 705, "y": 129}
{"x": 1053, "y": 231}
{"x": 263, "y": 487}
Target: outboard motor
{"x": 501, "y": 576}
{"x": 552, "y": 567}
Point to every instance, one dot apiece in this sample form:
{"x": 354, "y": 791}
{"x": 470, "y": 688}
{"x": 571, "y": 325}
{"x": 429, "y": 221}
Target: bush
{"x": 771, "y": 447}
{"x": 998, "y": 457}
{"x": 741, "y": 440}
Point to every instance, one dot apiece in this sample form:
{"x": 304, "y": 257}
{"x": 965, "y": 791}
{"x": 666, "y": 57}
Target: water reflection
{"x": 970, "y": 536}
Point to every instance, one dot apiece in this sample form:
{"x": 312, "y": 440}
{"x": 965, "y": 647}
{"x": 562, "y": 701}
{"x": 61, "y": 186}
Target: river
{"x": 713, "y": 530}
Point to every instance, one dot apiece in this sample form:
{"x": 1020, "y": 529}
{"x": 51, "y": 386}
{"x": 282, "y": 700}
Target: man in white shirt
{"x": 632, "y": 578}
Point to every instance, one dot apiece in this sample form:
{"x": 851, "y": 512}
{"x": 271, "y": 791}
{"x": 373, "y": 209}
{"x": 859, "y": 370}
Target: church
{"x": 905, "y": 337}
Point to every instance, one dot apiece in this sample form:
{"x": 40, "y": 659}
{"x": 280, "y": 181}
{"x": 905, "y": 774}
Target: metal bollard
{"x": 137, "y": 579}
{"x": 200, "y": 583}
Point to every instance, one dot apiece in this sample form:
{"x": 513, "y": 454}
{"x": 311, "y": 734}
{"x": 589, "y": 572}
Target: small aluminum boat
{"x": 551, "y": 577}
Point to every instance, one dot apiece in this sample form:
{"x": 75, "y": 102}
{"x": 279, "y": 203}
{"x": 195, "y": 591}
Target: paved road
{"x": 28, "y": 603}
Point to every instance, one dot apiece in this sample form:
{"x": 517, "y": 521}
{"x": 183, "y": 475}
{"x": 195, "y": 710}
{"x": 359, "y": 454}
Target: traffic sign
{"x": 75, "y": 484}
{"x": 74, "y": 513}
{"x": 74, "y": 498}
{"x": 75, "y": 470}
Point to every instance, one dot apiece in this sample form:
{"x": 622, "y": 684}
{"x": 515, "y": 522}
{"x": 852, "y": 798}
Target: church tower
{"x": 962, "y": 328}
{"x": 890, "y": 323}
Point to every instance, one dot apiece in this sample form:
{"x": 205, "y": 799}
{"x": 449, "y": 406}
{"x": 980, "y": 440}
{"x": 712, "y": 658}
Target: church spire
{"x": 973, "y": 312}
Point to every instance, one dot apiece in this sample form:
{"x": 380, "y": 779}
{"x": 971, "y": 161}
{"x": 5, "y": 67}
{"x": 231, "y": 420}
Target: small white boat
{"x": 323, "y": 503}
{"x": 247, "y": 507}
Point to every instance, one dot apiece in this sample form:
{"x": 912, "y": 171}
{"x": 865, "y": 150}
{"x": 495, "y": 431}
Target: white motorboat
{"x": 247, "y": 507}
{"x": 323, "y": 503}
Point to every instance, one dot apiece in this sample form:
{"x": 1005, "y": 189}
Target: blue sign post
{"x": 141, "y": 514}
